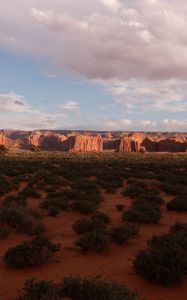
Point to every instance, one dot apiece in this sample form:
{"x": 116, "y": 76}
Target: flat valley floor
{"x": 70, "y": 172}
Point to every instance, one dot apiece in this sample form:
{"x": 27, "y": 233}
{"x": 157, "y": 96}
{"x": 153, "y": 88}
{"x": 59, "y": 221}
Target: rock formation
{"x": 35, "y": 138}
{"x": 2, "y": 138}
{"x": 145, "y": 143}
{"x": 7, "y": 142}
{"x": 48, "y": 140}
{"x": 86, "y": 143}
{"x": 95, "y": 141}
{"x": 131, "y": 143}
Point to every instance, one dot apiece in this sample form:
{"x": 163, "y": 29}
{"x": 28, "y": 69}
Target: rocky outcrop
{"x": 7, "y": 142}
{"x": 131, "y": 143}
{"x": 47, "y": 140}
{"x": 110, "y": 144}
{"x": 93, "y": 141}
{"x": 34, "y": 138}
{"x": 143, "y": 143}
{"x": 2, "y": 138}
{"x": 86, "y": 143}
{"x": 172, "y": 145}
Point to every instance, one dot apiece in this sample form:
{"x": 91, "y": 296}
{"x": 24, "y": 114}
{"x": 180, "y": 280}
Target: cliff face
{"x": 131, "y": 143}
{"x": 171, "y": 145}
{"x": 86, "y": 143}
{"x": 89, "y": 141}
{"x": 138, "y": 143}
{"x": 46, "y": 140}
{"x": 2, "y": 138}
{"x": 7, "y": 142}
{"x": 53, "y": 141}
{"x": 110, "y": 144}
{"x": 34, "y": 138}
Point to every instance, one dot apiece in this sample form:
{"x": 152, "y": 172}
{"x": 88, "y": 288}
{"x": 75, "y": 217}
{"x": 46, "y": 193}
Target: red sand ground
{"x": 115, "y": 265}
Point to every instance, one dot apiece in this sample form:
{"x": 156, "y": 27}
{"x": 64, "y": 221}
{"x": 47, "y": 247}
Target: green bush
{"x": 37, "y": 229}
{"x": 94, "y": 289}
{"x": 170, "y": 188}
{"x": 110, "y": 181}
{"x": 20, "y": 220}
{"x": 29, "y": 191}
{"x": 60, "y": 203}
{"x": 178, "y": 204}
{"x": 84, "y": 226}
{"x": 179, "y": 227}
{"x": 4, "y": 233}
{"x": 143, "y": 211}
{"x": 75, "y": 288}
{"x": 14, "y": 201}
{"x": 135, "y": 188}
{"x": 31, "y": 253}
{"x": 3, "y": 150}
{"x": 121, "y": 234}
{"x": 151, "y": 198}
{"x": 53, "y": 211}
{"x": 100, "y": 216}
{"x": 165, "y": 259}
{"x": 84, "y": 207}
{"x": 93, "y": 241}
{"x": 120, "y": 207}
{"x": 34, "y": 213}
{"x": 82, "y": 184}
{"x": 39, "y": 290}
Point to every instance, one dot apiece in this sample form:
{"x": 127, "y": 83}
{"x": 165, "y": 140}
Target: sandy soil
{"x": 115, "y": 265}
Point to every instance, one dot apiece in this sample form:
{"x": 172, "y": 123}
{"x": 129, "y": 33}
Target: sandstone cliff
{"x": 86, "y": 143}
{"x": 93, "y": 141}
{"x": 47, "y": 140}
{"x": 7, "y": 142}
{"x": 131, "y": 143}
{"x": 140, "y": 142}
{"x": 2, "y": 138}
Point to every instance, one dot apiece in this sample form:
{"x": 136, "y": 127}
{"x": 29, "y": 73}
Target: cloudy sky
{"x": 93, "y": 64}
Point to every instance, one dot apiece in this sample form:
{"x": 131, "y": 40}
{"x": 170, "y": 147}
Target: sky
{"x": 93, "y": 64}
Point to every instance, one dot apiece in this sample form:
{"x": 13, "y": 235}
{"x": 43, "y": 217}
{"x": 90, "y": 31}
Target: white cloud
{"x": 70, "y": 105}
{"x": 113, "y": 124}
{"x": 137, "y": 46}
{"x": 106, "y": 39}
{"x": 16, "y": 113}
{"x": 33, "y": 119}
{"x": 168, "y": 96}
{"x": 140, "y": 125}
{"x": 13, "y": 102}
{"x": 58, "y": 22}
{"x": 113, "y": 5}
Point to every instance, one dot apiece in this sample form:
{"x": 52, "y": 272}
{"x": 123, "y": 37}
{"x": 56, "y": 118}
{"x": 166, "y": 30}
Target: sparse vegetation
{"x": 21, "y": 220}
{"x": 165, "y": 259}
{"x": 92, "y": 289}
{"x": 101, "y": 217}
{"x": 142, "y": 211}
{"x": 121, "y": 234}
{"x": 75, "y": 288}
{"x": 39, "y": 290}
{"x": 178, "y": 204}
{"x": 93, "y": 241}
{"x": 31, "y": 253}
{"x": 94, "y": 225}
{"x": 3, "y": 150}
{"x": 4, "y": 233}
{"x": 120, "y": 207}
{"x": 33, "y": 187}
